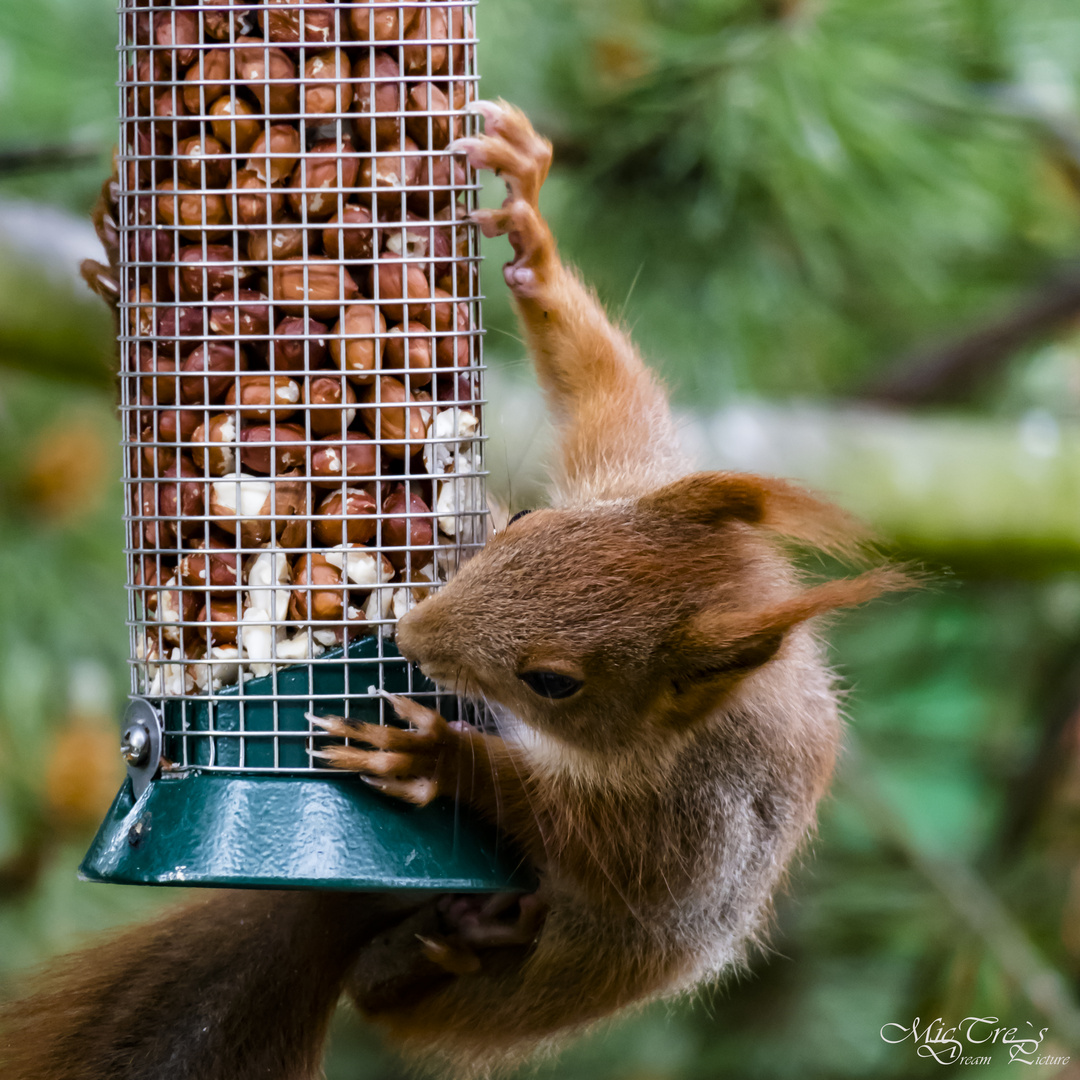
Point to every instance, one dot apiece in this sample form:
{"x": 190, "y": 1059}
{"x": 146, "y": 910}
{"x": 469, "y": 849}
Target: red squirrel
{"x": 666, "y": 724}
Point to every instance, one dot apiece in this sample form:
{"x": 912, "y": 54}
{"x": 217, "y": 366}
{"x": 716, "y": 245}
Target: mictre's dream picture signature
{"x": 970, "y": 1041}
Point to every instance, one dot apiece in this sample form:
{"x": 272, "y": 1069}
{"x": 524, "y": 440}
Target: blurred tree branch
{"x": 1033, "y": 786}
{"x": 21, "y": 159}
{"x": 950, "y": 371}
{"x": 972, "y": 901}
{"x": 21, "y": 871}
{"x": 48, "y": 328}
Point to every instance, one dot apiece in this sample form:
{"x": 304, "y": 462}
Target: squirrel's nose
{"x": 405, "y": 643}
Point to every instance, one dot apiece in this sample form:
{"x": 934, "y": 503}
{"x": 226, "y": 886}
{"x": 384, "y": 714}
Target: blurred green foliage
{"x": 799, "y": 198}
{"x": 782, "y": 197}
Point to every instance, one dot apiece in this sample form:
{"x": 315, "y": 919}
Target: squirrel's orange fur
{"x": 660, "y": 803}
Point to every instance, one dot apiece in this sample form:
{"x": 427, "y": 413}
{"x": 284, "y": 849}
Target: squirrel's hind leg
{"x": 501, "y": 919}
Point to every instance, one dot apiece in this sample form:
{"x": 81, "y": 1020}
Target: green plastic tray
{"x": 196, "y": 827}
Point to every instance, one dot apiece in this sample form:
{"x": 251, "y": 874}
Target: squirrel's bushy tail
{"x": 237, "y": 987}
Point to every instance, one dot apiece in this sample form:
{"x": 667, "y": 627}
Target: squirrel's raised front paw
{"x": 528, "y": 236}
{"x": 415, "y": 765}
{"x": 512, "y": 149}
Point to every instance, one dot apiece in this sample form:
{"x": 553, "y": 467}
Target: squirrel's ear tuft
{"x": 721, "y": 646}
{"x": 706, "y": 663}
{"x": 711, "y": 498}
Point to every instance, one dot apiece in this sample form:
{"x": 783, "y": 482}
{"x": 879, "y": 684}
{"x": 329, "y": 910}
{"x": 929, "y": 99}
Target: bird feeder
{"x": 301, "y": 395}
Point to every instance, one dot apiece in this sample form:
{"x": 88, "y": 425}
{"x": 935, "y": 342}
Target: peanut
{"x": 277, "y": 245}
{"x": 275, "y": 157}
{"x": 195, "y": 215}
{"x": 318, "y": 584}
{"x": 326, "y": 85}
{"x": 379, "y": 94}
{"x": 291, "y": 21}
{"x": 299, "y": 344}
{"x": 255, "y": 201}
{"x": 208, "y": 373}
{"x": 203, "y": 272}
{"x": 407, "y": 527}
{"x": 242, "y": 313}
{"x": 232, "y": 123}
{"x": 218, "y": 456}
{"x": 264, "y": 397}
{"x": 212, "y": 567}
{"x": 206, "y": 80}
{"x": 334, "y": 459}
{"x": 395, "y": 169}
{"x": 321, "y": 180}
{"x": 277, "y": 449}
{"x": 355, "y": 341}
{"x": 313, "y": 286}
{"x": 177, "y": 32}
{"x": 200, "y": 162}
{"x": 401, "y": 290}
{"x": 160, "y": 384}
{"x": 428, "y": 98}
{"x": 408, "y": 349}
{"x": 270, "y": 75}
{"x": 219, "y": 621}
{"x": 331, "y": 400}
{"x": 348, "y": 520}
{"x": 371, "y": 24}
{"x": 393, "y": 418}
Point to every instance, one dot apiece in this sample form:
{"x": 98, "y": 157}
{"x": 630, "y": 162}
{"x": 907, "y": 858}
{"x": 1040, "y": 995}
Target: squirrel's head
{"x": 589, "y": 622}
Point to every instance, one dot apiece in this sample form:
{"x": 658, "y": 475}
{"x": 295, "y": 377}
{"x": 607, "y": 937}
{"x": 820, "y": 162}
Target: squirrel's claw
{"x": 340, "y": 726}
{"x": 404, "y": 764}
{"x": 528, "y": 236}
{"x": 452, "y": 958}
{"x": 371, "y": 762}
{"x": 101, "y": 280}
{"x": 521, "y": 157}
{"x": 510, "y": 147}
{"x": 419, "y": 791}
{"x": 489, "y": 110}
{"x": 492, "y": 222}
{"x": 427, "y": 722}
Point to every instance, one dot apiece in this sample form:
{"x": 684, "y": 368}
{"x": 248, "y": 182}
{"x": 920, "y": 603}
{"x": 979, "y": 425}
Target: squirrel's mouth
{"x": 457, "y": 682}
{"x": 453, "y": 680}
{"x": 448, "y": 677}
{"x": 443, "y": 680}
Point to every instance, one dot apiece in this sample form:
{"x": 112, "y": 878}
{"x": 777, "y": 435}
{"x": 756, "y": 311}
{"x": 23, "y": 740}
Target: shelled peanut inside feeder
{"x": 300, "y": 343}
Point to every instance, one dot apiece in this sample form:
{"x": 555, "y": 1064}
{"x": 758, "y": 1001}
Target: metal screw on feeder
{"x": 140, "y": 744}
{"x": 135, "y": 744}
{"x": 301, "y": 381}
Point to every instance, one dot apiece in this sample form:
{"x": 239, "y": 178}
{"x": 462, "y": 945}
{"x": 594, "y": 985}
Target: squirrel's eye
{"x": 519, "y": 514}
{"x": 551, "y": 684}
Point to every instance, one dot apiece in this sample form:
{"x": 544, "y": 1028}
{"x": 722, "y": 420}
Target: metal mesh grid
{"x": 300, "y": 354}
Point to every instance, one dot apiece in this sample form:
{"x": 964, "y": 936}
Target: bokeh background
{"x": 848, "y": 232}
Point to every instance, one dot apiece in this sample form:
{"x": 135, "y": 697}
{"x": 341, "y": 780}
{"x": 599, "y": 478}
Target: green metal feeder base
{"x": 292, "y": 832}
{"x": 199, "y": 827}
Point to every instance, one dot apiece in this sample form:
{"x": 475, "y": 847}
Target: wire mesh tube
{"x": 301, "y": 356}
